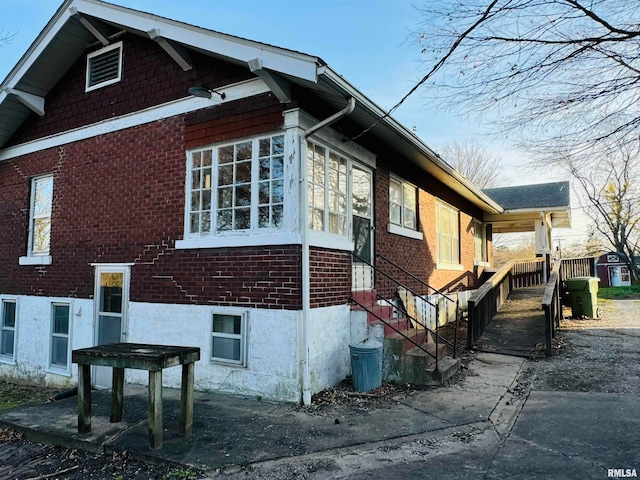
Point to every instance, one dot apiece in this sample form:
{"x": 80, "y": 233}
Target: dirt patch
{"x": 22, "y": 459}
{"x": 595, "y": 354}
{"x": 25, "y": 460}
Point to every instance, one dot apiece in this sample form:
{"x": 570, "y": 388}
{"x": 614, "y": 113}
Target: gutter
{"x": 306, "y": 262}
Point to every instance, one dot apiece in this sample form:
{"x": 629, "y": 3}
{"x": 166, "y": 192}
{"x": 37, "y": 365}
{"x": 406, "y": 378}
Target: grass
{"x": 619, "y": 293}
{"x": 13, "y": 395}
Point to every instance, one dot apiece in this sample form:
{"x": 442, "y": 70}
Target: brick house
{"x": 135, "y": 207}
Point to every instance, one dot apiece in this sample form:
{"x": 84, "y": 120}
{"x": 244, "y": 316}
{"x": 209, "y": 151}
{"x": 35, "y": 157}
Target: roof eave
{"x": 427, "y": 156}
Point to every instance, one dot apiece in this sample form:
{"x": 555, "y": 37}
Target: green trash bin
{"x": 583, "y": 292}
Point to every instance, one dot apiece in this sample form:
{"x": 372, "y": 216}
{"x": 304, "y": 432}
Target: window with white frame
{"x": 448, "y": 230}
{"x": 479, "y": 241}
{"x": 104, "y": 67}
{"x": 236, "y": 187}
{"x": 8, "y": 330}
{"x": 402, "y": 204}
{"x": 60, "y": 328}
{"x": 228, "y": 338}
{"x": 40, "y": 215}
{"x": 327, "y": 193}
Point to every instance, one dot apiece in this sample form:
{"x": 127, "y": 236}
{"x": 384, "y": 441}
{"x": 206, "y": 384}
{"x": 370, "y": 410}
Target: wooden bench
{"x": 153, "y": 358}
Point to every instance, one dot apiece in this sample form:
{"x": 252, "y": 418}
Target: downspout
{"x": 306, "y": 262}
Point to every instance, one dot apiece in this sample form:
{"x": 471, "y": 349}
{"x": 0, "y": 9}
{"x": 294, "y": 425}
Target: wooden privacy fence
{"x": 577, "y": 267}
{"x": 487, "y": 300}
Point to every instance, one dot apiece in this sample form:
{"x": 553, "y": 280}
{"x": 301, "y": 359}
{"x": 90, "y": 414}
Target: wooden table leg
{"x": 155, "y": 409}
{"x": 185, "y": 422}
{"x": 84, "y": 398}
{"x": 117, "y": 394}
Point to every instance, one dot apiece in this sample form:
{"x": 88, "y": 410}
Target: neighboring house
{"x": 135, "y": 207}
{"x": 612, "y": 270}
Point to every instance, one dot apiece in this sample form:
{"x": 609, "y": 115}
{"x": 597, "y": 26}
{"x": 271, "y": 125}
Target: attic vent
{"x": 104, "y": 66}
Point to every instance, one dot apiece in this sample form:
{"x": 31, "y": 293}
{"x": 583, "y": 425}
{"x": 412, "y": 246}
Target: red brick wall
{"x": 330, "y": 277}
{"x": 149, "y": 77}
{"x": 263, "y": 113}
{"x": 419, "y": 256}
{"x": 120, "y": 198}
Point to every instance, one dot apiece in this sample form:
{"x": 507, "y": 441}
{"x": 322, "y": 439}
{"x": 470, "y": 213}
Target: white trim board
{"x": 232, "y": 92}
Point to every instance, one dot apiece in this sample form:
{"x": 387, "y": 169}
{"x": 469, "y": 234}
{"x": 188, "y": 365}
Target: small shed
{"x": 612, "y": 270}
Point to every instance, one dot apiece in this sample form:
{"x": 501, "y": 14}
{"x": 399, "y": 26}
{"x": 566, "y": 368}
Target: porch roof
{"x": 78, "y": 24}
{"x": 525, "y": 204}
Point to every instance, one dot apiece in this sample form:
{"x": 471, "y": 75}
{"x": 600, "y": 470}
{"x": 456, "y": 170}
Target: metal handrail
{"x": 395, "y": 265}
{"x": 438, "y": 338}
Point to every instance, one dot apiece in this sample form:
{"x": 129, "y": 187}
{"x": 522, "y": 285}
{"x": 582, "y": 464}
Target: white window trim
{"x": 38, "y": 258}
{"x": 242, "y": 237}
{"x": 399, "y": 228}
{"x": 35, "y": 260}
{"x": 440, "y": 265}
{"x": 476, "y": 261}
{"x": 405, "y": 232}
{"x": 51, "y": 368}
{"x": 244, "y": 336}
{"x": 4, "y": 358}
{"x": 97, "y": 53}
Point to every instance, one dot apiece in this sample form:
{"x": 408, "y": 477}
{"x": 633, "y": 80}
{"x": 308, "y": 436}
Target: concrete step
{"x": 417, "y": 369}
{"x": 447, "y": 368}
{"x": 365, "y": 297}
{"x": 401, "y": 343}
{"x": 429, "y": 354}
{"x": 401, "y": 324}
{"x": 375, "y": 312}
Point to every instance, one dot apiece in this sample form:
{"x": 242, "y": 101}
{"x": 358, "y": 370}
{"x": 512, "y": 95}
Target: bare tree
{"x": 613, "y": 193}
{"x": 6, "y": 37}
{"x": 469, "y": 158}
{"x": 548, "y": 74}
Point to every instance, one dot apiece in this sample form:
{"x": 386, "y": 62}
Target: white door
{"x": 111, "y": 300}
{"x": 362, "y": 226}
{"x": 615, "y": 279}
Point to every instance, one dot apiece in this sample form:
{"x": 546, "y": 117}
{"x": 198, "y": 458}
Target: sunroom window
{"x": 236, "y": 187}
{"x": 327, "y": 193}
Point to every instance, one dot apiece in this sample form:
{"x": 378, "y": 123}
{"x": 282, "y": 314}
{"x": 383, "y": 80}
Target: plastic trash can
{"x": 583, "y": 292}
{"x": 366, "y": 365}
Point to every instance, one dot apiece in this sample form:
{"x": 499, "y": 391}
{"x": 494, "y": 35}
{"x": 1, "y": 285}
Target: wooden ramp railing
{"x": 552, "y": 306}
{"x": 487, "y": 300}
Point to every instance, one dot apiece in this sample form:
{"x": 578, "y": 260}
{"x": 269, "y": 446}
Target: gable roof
{"x": 78, "y": 24}
{"x": 524, "y": 204}
{"x": 542, "y": 195}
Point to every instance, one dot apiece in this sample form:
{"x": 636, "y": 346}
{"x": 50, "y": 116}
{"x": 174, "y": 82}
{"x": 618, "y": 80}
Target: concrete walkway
{"x": 230, "y": 432}
{"x": 518, "y": 328}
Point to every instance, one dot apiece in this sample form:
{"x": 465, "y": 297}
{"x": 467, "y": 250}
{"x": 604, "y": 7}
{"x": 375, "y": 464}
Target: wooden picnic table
{"x": 153, "y": 358}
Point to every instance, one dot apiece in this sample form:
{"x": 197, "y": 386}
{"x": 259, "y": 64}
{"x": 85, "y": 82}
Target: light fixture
{"x": 203, "y": 92}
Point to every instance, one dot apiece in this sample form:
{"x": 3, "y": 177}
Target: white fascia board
{"x": 233, "y": 92}
{"x": 37, "y": 47}
{"x": 411, "y": 137}
{"x": 240, "y": 49}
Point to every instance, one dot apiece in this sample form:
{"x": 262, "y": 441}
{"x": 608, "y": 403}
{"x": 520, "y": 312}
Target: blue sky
{"x": 366, "y": 41}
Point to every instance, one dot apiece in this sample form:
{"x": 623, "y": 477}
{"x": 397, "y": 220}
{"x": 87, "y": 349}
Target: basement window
{"x": 104, "y": 67}
{"x": 228, "y": 338}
